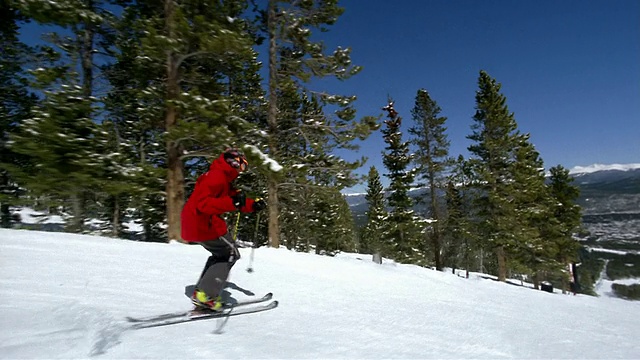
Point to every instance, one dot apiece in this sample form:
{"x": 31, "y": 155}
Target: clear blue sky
{"x": 570, "y": 69}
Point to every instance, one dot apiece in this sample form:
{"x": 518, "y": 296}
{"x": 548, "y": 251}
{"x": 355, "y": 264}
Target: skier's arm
{"x": 248, "y": 203}
{"x": 211, "y": 201}
{"x": 248, "y": 206}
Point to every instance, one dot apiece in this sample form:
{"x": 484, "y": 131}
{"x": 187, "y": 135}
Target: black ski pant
{"x": 224, "y": 255}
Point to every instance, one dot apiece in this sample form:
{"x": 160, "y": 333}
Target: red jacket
{"x": 200, "y": 217}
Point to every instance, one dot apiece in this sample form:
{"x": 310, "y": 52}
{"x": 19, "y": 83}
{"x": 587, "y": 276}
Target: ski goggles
{"x": 242, "y": 163}
{"x": 236, "y": 160}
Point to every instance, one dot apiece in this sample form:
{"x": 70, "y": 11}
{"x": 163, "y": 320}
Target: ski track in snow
{"x": 65, "y": 331}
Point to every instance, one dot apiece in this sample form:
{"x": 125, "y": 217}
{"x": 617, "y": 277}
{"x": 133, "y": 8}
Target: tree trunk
{"x": 175, "y": 176}
{"x": 565, "y": 279}
{"x": 536, "y": 280}
{"x": 174, "y": 188}
{"x": 274, "y": 225}
{"x": 142, "y": 201}
{"x": 467, "y": 257}
{"x": 502, "y": 264}
{"x": 5, "y": 215}
{"x": 436, "y": 225}
{"x": 293, "y": 243}
{"x": 272, "y": 120}
{"x": 87, "y": 57}
{"x": 77, "y": 206}
{"x": 116, "y": 217}
{"x": 404, "y": 248}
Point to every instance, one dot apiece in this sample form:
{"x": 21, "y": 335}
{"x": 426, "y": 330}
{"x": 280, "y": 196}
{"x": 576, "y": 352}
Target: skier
{"x": 202, "y": 224}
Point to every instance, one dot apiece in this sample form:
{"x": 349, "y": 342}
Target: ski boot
{"x": 203, "y": 302}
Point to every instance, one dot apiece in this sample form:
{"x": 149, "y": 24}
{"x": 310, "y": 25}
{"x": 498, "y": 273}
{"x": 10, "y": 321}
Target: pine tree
{"x": 15, "y": 103}
{"x": 332, "y": 227}
{"x": 402, "y": 229}
{"x": 309, "y": 168}
{"x": 69, "y": 101}
{"x": 432, "y": 158}
{"x": 567, "y": 214}
{"x": 133, "y": 103}
{"x": 294, "y": 59}
{"x": 534, "y": 223}
{"x": 64, "y": 146}
{"x": 185, "y": 79}
{"x": 458, "y": 235}
{"x": 371, "y": 239}
{"x": 494, "y": 136}
{"x": 185, "y": 35}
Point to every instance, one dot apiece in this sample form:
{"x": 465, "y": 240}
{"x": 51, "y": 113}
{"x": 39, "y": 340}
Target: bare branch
{"x": 187, "y": 56}
{"x": 206, "y": 153}
{"x": 299, "y": 185}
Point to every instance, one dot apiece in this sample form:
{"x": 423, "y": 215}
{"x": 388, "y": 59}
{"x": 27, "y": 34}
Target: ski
{"x": 206, "y": 315}
{"x": 180, "y": 314}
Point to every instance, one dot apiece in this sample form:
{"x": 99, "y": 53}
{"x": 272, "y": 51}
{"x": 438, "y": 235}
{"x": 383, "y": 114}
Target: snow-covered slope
{"x": 66, "y": 296}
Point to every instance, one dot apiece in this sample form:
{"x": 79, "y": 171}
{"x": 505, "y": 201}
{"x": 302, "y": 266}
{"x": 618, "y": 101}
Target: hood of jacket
{"x": 220, "y": 164}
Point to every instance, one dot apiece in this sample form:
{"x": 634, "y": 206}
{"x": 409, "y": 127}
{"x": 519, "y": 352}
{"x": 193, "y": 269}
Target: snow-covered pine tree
{"x": 304, "y": 160}
{"x": 458, "y": 236}
{"x": 567, "y": 214}
{"x": 332, "y": 226}
{"x": 534, "y": 223}
{"x": 311, "y": 175}
{"x": 432, "y": 160}
{"x": 64, "y": 145}
{"x": 15, "y": 104}
{"x": 294, "y": 60}
{"x": 401, "y": 233}
{"x": 494, "y": 136}
{"x": 186, "y": 77}
{"x": 371, "y": 236}
{"x": 63, "y": 127}
{"x": 133, "y": 123}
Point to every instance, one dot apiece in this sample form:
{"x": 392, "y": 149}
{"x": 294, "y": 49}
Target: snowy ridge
{"x": 343, "y": 307}
{"x": 601, "y": 167}
{"x": 576, "y": 170}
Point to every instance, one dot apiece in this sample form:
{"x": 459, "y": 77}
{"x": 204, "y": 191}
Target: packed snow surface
{"x": 67, "y": 296}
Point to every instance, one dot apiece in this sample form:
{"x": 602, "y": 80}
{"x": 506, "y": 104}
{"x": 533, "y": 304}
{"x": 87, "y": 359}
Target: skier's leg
{"x": 218, "y": 253}
{"x": 214, "y": 279}
{"x": 210, "y": 261}
{"x": 216, "y": 271}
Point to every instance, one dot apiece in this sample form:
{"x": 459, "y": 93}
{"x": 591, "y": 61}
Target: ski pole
{"x": 255, "y": 243}
{"x": 235, "y": 230}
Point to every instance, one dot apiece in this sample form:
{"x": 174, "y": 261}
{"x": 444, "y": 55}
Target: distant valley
{"x": 610, "y": 201}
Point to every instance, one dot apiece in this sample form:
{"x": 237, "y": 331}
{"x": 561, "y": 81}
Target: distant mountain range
{"x": 601, "y": 167}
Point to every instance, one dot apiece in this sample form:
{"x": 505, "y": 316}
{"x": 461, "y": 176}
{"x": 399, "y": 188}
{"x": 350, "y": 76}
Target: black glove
{"x": 239, "y": 200}
{"x": 259, "y": 204}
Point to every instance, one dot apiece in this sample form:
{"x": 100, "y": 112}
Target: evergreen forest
{"x": 121, "y": 107}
